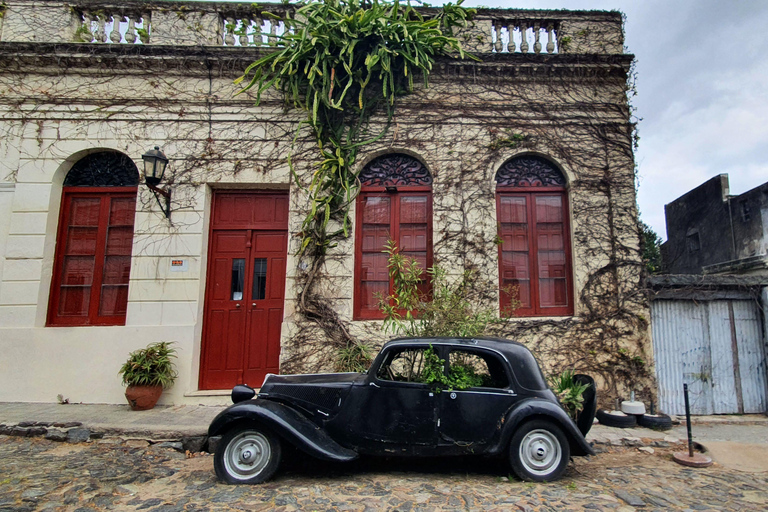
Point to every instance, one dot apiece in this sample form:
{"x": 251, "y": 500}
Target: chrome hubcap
{"x": 540, "y": 452}
{"x": 247, "y": 455}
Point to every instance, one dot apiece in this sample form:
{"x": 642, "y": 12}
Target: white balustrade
{"x": 114, "y": 28}
{"x": 523, "y": 36}
{"x": 252, "y": 31}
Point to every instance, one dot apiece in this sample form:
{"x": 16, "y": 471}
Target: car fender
{"x": 287, "y": 423}
{"x": 542, "y": 409}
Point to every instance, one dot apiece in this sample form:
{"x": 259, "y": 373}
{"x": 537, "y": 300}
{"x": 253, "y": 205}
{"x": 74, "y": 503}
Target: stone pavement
{"x": 118, "y": 474}
{"x": 126, "y": 460}
{"x": 733, "y": 440}
{"x": 162, "y": 422}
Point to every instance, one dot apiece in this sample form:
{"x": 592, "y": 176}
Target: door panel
{"x": 470, "y": 419}
{"x": 225, "y": 317}
{"x": 714, "y": 346}
{"x": 265, "y": 307}
{"x": 245, "y": 289}
{"x": 398, "y": 415}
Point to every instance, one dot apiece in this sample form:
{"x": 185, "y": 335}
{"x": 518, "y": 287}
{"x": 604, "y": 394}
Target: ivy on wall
{"x": 342, "y": 62}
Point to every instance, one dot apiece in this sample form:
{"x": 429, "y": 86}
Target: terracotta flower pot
{"x": 142, "y": 398}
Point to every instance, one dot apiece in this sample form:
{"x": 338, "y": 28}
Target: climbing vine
{"x": 570, "y": 108}
{"x": 341, "y": 62}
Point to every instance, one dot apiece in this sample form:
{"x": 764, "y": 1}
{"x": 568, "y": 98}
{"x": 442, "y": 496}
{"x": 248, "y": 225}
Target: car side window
{"x": 477, "y": 369}
{"x": 404, "y": 366}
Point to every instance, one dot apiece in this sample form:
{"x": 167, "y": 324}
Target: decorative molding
{"x": 529, "y": 171}
{"x": 395, "y": 170}
{"x": 103, "y": 169}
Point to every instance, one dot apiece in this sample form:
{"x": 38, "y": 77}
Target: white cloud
{"x": 702, "y": 92}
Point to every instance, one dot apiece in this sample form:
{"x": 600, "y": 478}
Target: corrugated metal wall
{"x": 695, "y": 342}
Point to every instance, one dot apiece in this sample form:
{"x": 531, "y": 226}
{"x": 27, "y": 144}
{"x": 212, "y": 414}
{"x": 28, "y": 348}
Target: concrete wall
{"x": 701, "y": 214}
{"x": 732, "y": 231}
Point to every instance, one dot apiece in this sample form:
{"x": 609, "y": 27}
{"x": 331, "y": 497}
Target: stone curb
{"x": 601, "y": 445}
{"x": 74, "y": 432}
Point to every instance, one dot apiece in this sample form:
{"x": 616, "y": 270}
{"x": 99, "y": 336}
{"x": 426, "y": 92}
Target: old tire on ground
{"x": 247, "y": 455}
{"x": 615, "y": 419}
{"x": 539, "y": 451}
{"x": 655, "y": 421}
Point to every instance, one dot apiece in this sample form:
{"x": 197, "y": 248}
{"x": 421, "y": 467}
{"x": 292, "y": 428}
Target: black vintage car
{"x": 398, "y": 409}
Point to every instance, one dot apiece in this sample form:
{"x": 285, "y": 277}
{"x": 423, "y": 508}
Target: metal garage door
{"x": 714, "y": 346}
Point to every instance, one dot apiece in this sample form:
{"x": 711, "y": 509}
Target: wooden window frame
{"x": 536, "y": 310}
{"x": 93, "y": 317}
{"x": 394, "y": 226}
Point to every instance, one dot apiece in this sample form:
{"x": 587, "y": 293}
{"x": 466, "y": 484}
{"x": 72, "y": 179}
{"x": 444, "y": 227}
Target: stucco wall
{"x": 58, "y": 104}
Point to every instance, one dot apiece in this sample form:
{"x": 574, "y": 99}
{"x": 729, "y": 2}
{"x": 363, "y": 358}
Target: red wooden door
{"x": 246, "y": 289}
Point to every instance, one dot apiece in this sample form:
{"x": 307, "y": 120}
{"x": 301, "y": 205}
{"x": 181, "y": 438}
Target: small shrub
{"x": 451, "y": 309}
{"x": 461, "y": 376}
{"x": 356, "y": 357}
{"x": 569, "y": 392}
{"x": 150, "y": 366}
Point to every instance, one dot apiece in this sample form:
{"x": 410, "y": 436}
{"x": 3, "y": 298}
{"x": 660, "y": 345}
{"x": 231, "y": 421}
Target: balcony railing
{"x": 524, "y": 36}
{"x": 240, "y": 25}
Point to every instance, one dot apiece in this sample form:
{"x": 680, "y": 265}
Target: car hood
{"x": 323, "y": 393}
{"x": 313, "y": 378}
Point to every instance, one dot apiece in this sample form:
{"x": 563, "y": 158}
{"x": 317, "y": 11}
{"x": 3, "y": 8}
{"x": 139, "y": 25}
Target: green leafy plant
{"x": 143, "y": 35}
{"x": 461, "y": 376}
{"x": 150, "y": 366}
{"x": 650, "y": 244}
{"x": 508, "y": 140}
{"x": 83, "y": 34}
{"x": 569, "y": 392}
{"x": 355, "y": 357}
{"x": 341, "y": 62}
{"x": 450, "y": 309}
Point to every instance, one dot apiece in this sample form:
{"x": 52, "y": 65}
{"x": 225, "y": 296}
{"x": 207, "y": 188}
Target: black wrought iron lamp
{"x": 155, "y": 163}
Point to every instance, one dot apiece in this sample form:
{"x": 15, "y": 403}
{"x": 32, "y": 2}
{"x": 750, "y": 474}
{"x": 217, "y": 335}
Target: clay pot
{"x": 142, "y": 398}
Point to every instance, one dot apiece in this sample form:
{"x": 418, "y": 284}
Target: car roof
{"x": 506, "y": 347}
{"x": 524, "y": 365}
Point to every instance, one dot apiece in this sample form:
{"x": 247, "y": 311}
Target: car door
{"x": 469, "y": 419}
{"x": 396, "y": 411}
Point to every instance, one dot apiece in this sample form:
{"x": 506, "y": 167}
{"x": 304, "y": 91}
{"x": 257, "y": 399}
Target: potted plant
{"x": 147, "y": 372}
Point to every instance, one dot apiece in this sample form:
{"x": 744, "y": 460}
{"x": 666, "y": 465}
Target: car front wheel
{"x": 247, "y": 455}
{"x": 539, "y": 451}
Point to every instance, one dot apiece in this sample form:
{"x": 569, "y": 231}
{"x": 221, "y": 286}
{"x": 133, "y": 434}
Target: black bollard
{"x": 688, "y": 420}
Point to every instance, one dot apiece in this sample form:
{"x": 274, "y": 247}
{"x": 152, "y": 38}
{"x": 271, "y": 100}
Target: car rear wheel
{"x": 539, "y": 451}
{"x": 247, "y": 455}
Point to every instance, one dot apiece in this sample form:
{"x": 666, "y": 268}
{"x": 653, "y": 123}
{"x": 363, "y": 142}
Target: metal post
{"x": 688, "y": 420}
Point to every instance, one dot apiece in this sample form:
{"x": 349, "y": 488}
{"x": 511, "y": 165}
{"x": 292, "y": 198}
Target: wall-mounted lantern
{"x": 155, "y": 162}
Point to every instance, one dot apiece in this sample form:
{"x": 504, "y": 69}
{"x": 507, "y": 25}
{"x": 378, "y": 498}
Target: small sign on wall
{"x": 179, "y": 265}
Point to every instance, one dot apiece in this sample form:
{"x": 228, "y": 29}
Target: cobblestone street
{"x": 112, "y": 473}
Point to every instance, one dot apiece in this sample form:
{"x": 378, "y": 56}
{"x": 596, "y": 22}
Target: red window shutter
{"x": 375, "y": 230}
{"x": 93, "y": 256}
{"x": 406, "y": 218}
{"x": 534, "y": 256}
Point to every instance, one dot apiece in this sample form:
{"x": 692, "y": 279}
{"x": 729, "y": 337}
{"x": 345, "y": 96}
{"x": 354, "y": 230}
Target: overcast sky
{"x": 702, "y": 92}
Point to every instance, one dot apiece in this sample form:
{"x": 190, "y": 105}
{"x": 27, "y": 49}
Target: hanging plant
{"x": 342, "y": 62}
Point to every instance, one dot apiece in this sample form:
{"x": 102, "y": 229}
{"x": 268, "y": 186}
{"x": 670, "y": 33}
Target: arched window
{"x": 93, "y": 246}
{"x": 395, "y": 203}
{"x": 534, "y": 254}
